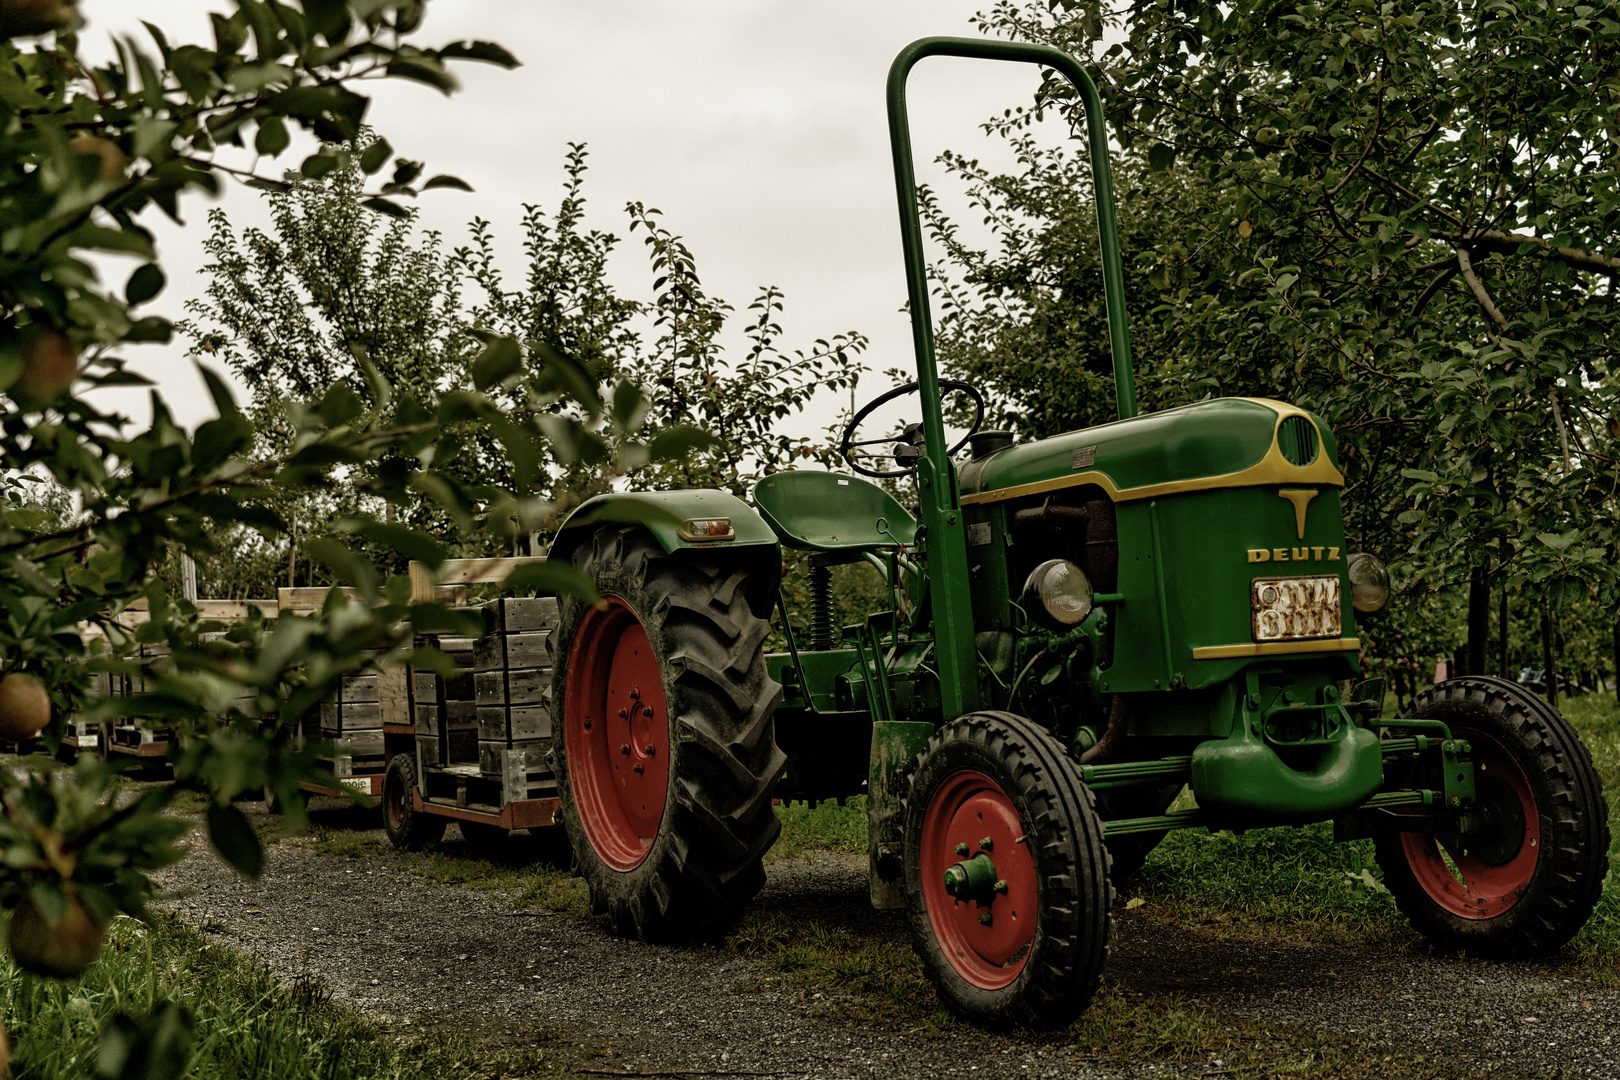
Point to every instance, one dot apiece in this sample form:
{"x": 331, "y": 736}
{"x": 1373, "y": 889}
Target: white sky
{"x": 757, "y": 126}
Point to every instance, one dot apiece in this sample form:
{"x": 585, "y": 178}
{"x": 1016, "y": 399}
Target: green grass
{"x": 826, "y": 827}
{"x": 247, "y": 1023}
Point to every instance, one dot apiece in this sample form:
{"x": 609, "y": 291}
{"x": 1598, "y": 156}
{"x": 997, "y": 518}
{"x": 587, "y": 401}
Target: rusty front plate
{"x": 1288, "y": 608}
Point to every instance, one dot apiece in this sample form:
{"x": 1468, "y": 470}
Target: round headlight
{"x": 1369, "y": 583}
{"x": 1057, "y": 594}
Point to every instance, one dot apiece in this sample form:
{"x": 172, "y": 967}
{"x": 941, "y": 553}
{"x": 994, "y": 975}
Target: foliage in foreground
{"x": 246, "y": 1021}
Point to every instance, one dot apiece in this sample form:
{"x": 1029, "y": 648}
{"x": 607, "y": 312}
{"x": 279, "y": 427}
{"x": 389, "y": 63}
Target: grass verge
{"x": 247, "y": 1024}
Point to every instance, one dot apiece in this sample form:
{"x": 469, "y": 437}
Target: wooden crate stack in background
{"x": 452, "y": 700}
{"x": 353, "y": 725}
{"x": 513, "y": 682}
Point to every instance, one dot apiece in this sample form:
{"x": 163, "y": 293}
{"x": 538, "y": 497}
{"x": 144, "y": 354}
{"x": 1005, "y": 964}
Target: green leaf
{"x": 339, "y": 405}
{"x": 446, "y": 181}
{"x": 232, "y": 835}
{"x": 219, "y": 390}
{"x": 272, "y": 137}
{"x": 552, "y": 577}
{"x": 423, "y": 69}
{"x": 218, "y": 440}
{"x": 386, "y": 206}
{"x": 317, "y": 165}
{"x": 487, "y": 51}
{"x": 375, "y": 157}
{"x": 1161, "y": 157}
{"x": 409, "y": 542}
{"x": 680, "y": 440}
{"x": 499, "y": 360}
{"x": 155, "y": 1048}
{"x": 348, "y": 565}
{"x": 564, "y": 371}
{"x": 146, "y": 282}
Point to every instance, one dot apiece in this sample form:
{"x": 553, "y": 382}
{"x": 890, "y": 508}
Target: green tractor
{"x": 1081, "y": 628}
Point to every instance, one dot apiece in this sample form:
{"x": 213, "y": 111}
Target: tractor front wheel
{"x": 1007, "y": 889}
{"x": 668, "y": 754}
{"x": 1526, "y": 875}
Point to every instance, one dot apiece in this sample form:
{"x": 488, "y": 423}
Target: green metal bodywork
{"x": 661, "y": 513}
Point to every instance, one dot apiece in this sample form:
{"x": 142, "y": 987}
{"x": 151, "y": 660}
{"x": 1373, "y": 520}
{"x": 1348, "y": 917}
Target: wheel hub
{"x": 979, "y": 879}
{"x": 1498, "y": 832}
{"x": 974, "y": 879}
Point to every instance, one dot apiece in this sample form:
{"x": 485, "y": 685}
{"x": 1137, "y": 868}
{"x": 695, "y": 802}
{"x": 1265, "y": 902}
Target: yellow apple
{"x": 50, "y": 363}
{"x": 25, "y": 18}
{"x": 62, "y": 951}
{"x": 112, "y": 158}
{"x": 25, "y": 707}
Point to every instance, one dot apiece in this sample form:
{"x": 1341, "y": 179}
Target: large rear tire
{"x": 405, "y": 827}
{"x": 668, "y": 755}
{"x": 1007, "y": 889}
{"x": 1525, "y": 881}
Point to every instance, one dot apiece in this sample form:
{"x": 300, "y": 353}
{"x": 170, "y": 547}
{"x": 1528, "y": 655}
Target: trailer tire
{"x": 406, "y": 827}
{"x": 1027, "y": 950}
{"x": 1526, "y": 884}
{"x": 667, "y": 758}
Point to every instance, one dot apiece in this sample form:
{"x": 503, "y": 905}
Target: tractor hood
{"x": 1228, "y": 442}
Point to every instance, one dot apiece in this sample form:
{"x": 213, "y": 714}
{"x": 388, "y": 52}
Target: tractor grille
{"x": 1296, "y": 438}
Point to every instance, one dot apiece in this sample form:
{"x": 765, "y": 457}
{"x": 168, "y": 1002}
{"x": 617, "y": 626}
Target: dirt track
{"x": 419, "y": 953}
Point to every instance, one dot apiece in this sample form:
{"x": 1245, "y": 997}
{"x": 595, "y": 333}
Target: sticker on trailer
{"x": 87, "y": 741}
{"x": 358, "y": 783}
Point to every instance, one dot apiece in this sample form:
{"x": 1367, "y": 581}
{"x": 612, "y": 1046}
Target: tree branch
{"x": 1466, "y": 265}
{"x": 1506, "y": 243}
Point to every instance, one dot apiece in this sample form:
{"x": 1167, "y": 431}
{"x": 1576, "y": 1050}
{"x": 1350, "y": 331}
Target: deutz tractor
{"x": 1081, "y": 628}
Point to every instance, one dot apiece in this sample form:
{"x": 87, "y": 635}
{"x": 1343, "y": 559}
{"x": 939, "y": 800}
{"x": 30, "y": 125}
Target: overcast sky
{"x": 757, "y": 126}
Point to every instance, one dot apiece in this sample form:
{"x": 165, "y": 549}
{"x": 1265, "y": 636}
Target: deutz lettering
{"x": 1299, "y": 554}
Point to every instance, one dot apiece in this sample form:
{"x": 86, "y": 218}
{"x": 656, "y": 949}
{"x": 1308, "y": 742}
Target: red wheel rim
{"x": 968, "y": 809}
{"x": 1476, "y": 889}
{"x": 616, "y": 734}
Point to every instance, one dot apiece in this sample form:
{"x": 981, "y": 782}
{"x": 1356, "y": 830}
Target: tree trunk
{"x": 292, "y": 549}
{"x": 1617, "y": 660}
{"x": 1479, "y": 620}
{"x": 1502, "y": 629}
{"x": 1547, "y": 659}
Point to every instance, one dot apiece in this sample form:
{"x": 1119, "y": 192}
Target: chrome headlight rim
{"x": 1058, "y": 595}
{"x": 1370, "y": 589}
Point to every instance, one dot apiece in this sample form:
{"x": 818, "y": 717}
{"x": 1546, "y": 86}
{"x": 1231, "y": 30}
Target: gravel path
{"x": 411, "y": 951}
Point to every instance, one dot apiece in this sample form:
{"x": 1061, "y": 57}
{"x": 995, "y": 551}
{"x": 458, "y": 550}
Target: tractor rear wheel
{"x": 1527, "y": 877}
{"x": 405, "y": 826}
{"x": 1007, "y": 889}
{"x": 667, "y": 758}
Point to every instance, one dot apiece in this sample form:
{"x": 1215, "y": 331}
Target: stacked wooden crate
{"x": 513, "y": 683}
{"x": 352, "y": 723}
{"x": 138, "y": 737}
{"x": 444, "y": 710}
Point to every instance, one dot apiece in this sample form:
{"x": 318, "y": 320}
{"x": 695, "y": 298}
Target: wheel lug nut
{"x": 635, "y": 694}
{"x": 1001, "y": 886}
{"x": 650, "y": 750}
{"x": 639, "y": 767}
{"x": 625, "y": 749}
{"x": 987, "y": 843}
{"x": 624, "y": 714}
{"x": 961, "y": 849}
{"x": 985, "y": 918}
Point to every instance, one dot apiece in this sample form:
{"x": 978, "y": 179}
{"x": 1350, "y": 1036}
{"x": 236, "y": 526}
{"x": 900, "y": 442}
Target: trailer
{"x": 477, "y": 749}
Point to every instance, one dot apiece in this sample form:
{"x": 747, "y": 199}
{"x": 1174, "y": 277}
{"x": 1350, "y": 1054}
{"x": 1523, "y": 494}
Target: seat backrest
{"x": 824, "y": 511}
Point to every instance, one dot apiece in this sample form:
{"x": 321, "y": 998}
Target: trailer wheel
{"x": 406, "y": 828}
{"x": 1007, "y": 889}
{"x": 668, "y": 754}
{"x": 1526, "y": 879}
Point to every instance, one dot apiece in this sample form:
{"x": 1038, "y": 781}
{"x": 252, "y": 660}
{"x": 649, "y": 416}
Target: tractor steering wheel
{"x": 909, "y": 442}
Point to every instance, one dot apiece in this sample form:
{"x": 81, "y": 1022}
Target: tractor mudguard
{"x": 1243, "y": 778}
{"x": 666, "y": 514}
